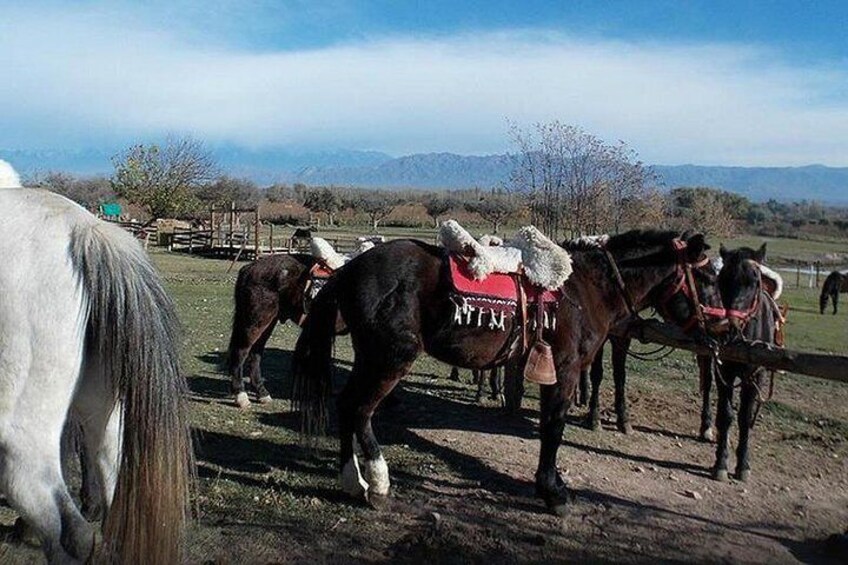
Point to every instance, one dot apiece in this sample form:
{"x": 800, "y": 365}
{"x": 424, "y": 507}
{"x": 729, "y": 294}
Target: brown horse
{"x": 680, "y": 308}
{"x": 835, "y": 283}
{"x": 271, "y": 289}
{"x": 396, "y": 301}
{"x": 753, "y": 316}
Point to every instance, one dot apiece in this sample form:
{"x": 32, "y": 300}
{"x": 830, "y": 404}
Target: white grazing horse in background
{"x": 87, "y": 329}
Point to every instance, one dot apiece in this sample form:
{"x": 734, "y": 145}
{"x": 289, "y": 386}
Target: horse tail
{"x": 133, "y": 330}
{"x": 312, "y": 363}
{"x": 829, "y": 288}
{"x": 241, "y": 315}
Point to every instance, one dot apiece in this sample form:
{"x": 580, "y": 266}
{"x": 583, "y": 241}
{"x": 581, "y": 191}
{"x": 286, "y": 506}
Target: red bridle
{"x": 685, "y": 282}
{"x": 745, "y": 316}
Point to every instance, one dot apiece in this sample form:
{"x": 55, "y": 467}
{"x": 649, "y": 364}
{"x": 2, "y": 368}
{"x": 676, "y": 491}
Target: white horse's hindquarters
{"x": 41, "y": 328}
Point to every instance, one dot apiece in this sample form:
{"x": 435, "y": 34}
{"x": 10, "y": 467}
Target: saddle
{"x": 491, "y": 283}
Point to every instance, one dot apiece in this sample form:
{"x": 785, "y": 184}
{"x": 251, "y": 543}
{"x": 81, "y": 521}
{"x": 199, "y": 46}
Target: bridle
{"x": 684, "y": 282}
{"x": 744, "y": 316}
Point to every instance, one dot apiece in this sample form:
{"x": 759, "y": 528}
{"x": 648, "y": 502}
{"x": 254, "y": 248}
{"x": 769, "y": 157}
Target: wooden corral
{"x": 824, "y": 366}
{"x": 240, "y": 233}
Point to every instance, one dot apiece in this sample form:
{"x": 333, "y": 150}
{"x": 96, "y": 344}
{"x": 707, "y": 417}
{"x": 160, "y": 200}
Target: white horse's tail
{"x": 133, "y": 330}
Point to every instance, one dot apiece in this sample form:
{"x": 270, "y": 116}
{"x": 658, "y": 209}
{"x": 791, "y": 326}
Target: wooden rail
{"x": 824, "y": 366}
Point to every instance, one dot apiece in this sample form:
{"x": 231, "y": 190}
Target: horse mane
{"x": 627, "y": 245}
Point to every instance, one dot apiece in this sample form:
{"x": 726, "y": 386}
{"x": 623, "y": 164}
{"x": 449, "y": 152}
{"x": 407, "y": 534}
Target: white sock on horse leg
{"x": 377, "y": 474}
{"x": 351, "y": 479}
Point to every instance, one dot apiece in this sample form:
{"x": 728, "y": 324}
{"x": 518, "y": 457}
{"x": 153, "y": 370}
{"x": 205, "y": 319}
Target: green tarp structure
{"x": 111, "y": 210}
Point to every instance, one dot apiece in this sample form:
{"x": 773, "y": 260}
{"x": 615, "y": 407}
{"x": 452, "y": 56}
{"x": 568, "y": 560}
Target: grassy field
{"x": 461, "y": 472}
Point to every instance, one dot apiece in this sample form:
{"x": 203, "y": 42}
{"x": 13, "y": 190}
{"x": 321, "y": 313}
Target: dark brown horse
{"x": 679, "y": 307}
{"x": 396, "y": 303}
{"x": 271, "y": 289}
{"x": 753, "y": 316}
{"x": 835, "y": 283}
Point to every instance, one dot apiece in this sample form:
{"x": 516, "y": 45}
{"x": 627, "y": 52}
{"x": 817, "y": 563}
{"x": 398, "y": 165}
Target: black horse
{"x": 682, "y": 309}
{"x": 753, "y": 316}
{"x": 271, "y": 289}
{"x": 396, "y": 303}
{"x": 835, "y": 283}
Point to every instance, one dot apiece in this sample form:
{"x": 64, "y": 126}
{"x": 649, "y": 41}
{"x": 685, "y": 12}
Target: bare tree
{"x": 328, "y": 200}
{"x": 163, "y": 179}
{"x": 495, "y": 207}
{"x": 437, "y": 205}
{"x": 576, "y": 183}
{"x": 227, "y": 189}
{"x": 376, "y": 204}
{"x": 710, "y": 216}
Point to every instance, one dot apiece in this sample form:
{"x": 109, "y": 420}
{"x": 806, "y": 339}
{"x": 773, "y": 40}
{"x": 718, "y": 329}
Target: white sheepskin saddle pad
{"x": 542, "y": 261}
{"x": 776, "y": 286}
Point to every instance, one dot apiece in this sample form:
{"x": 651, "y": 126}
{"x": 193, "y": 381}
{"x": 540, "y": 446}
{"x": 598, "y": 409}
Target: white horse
{"x": 86, "y": 329}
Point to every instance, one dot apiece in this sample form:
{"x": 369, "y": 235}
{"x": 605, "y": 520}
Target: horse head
{"x": 690, "y": 297}
{"x": 740, "y": 284}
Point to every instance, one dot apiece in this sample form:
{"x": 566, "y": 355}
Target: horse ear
{"x": 696, "y": 245}
{"x": 722, "y": 251}
{"x": 761, "y": 253}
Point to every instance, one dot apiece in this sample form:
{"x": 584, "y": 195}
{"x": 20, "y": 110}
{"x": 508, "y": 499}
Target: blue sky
{"x": 712, "y": 82}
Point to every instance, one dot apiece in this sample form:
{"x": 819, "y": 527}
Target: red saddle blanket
{"x": 496, "y": 286}
{"x": 320, "y": 271}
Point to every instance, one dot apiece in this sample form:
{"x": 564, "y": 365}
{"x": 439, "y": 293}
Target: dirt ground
{"x": 463, "y": 492}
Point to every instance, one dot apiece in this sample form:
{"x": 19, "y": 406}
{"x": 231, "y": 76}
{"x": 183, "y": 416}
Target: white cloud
{"x": 89, "y": 76}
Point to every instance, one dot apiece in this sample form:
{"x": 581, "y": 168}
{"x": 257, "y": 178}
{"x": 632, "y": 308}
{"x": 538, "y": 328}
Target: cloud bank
{"x": 92, "y": 77}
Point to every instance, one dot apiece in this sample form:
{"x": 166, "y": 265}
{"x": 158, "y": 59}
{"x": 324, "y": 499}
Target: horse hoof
{"x": 626, "y": 429}
{"x": 744, "y": 475}
{"x": 593, "y": 425}
{"x": 265, "y": 399}
{"x": 379, "y": 501}
{"x": 242, "y": 401}
{"x": 558, "y": 507}
{"x": 707, "y": 435}
{"x": 721, "y": 475}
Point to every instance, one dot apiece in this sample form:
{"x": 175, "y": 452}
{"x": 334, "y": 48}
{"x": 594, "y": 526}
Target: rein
{"x": 619, "y": 280}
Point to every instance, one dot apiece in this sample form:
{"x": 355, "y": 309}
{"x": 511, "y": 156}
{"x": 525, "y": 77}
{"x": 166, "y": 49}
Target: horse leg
{"x": 496, "y": 384}
{"x": 583, "y": 390}
{"x": 835, "y": 297}
{"x": 375, "y": 373}
{"x": 723, "y": 420}
{"x": 375, "y": 471}
{"x": 705, "y": 373}
{"x": 477, "y": 378}
{"x": 454, "y": 374}
{"x": 747, "y": 399}
{"x": 245, "y": 336}
{"x": 73, "y": 446}
{"x": 549, "y": 484}
{"x": 31, "y": 478}
{"x": 593, "y": 420}
{"x": 619, "y": 373}
{"x": 100, "y": 420}
{"x": 513, "y": 386}
{"x": 254, "y": 362}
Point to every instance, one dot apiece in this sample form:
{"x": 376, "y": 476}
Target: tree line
{"x": 566, "y": 181}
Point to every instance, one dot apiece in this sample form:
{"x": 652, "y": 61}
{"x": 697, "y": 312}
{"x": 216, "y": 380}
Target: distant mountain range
{"x": 447, "y": 171}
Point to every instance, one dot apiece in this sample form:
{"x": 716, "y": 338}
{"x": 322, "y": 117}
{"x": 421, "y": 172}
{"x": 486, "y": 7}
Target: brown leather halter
{"x": 684, "y": 282}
